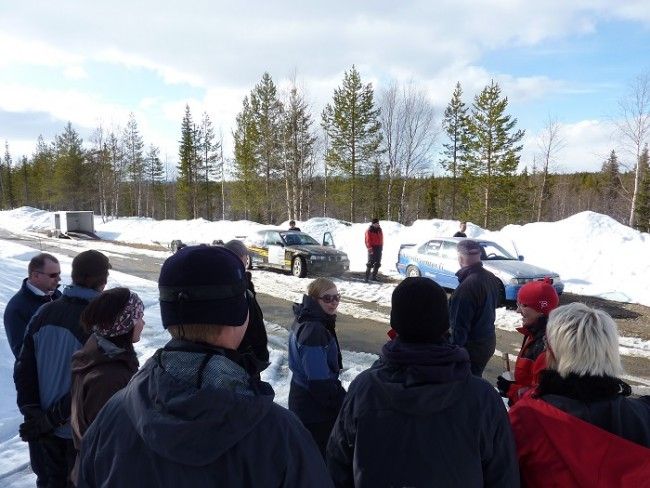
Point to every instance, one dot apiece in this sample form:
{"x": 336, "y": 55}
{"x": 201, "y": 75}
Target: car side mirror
{"x": 521, "y": 258}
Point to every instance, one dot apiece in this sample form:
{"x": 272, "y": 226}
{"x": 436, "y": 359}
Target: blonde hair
{"x": 197, "y": 332}
{"x": 582, "y": 340}
{"x": 319, "y": 286}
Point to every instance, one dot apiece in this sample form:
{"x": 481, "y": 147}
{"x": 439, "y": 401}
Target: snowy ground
{"x": 593, "y": 254}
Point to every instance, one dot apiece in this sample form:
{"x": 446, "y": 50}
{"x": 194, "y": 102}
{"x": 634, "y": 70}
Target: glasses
{"x": 51, "y": 275}
{"x": 331, "y": 298}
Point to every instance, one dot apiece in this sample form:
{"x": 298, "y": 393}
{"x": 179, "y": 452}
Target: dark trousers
{"x": 38, "y": 463}
{"x": 58, "y": 456}
{"x": 374, "y": 261}
{"x": 321, "y": 431}
{"x": 480, "y": 353}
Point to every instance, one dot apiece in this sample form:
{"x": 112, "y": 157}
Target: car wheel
{"x": 412, "y": 272}
{"x": 299, "y": 267}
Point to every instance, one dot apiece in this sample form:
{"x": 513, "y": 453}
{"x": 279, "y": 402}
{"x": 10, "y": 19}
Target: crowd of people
{"x": 197, "y": 413}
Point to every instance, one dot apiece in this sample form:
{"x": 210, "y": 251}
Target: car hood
{"x": 517, "y": 269}
{"x": 317, "y": 249}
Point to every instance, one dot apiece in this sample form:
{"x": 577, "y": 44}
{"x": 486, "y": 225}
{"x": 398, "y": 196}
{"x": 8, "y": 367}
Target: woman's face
{"x": 528, "y": 315}
{"x": 329, "y": 300}
{"x": 138, "y": 325}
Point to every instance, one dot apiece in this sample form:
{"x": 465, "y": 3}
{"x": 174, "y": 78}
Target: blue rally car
{"x": 437, "y": 259}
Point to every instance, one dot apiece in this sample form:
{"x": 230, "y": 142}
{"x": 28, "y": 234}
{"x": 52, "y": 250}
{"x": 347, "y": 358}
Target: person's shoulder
{"x": 313, "y": 333}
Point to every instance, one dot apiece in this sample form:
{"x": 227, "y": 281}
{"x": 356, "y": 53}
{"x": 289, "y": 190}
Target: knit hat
{"x": 133, "y": 310}
{"x": 375, "y": 221}
{"x": 539, "y": 295}
{"x": 203, "y": 285}
{"x": 89, "y": 264}
{"x": 468, "y": 247}
{"x": 419, "y": 312}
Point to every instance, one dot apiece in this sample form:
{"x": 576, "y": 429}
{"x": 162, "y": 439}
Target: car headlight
{"x": 520, "y": 281}
{"x": 317, "y": 258}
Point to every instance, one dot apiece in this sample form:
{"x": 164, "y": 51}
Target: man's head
{"x": 463, "y": 226}
{"x": 292, "y": 223}
{"x": 419, "y": 312}
{"x": 90, "y": 269}
{"x": 203, "y": 296}
{"x": 375, "y": 222}
{"x": 44, "y": 272}
{"x": 239, "y": 248}
{"x": 469, "y": 252}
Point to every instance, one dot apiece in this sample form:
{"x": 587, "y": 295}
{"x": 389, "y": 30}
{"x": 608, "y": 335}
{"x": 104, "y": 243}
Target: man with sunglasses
{"x": 43, "y": 374}
{"x": 40, "y": 286}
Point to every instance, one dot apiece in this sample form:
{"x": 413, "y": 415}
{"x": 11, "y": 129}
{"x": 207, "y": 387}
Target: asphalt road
{"x": 354, "y": 334}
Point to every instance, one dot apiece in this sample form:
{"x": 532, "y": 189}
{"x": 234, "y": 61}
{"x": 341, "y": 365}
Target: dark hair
{"x": 292, "y": 223}
{"x": 90, "y": 269}
{"x": 105, "y": 309}
{"x": 37, "y": 263}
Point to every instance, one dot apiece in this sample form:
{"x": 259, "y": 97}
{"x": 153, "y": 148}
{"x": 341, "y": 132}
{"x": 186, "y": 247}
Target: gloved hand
{"x": 36, "y": 425}
{"x": 370, "y": 251}
{"x": 503, "y": 385}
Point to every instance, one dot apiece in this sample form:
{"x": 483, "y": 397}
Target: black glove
{"x": 36, "y": 425}
{"x": 503, "y": 385}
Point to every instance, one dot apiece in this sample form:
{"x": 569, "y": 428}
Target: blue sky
{"x": 93, "y": 63}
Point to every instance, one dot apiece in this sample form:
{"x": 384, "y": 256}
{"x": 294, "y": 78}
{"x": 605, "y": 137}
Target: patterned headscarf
{"x": 133, "y": 310}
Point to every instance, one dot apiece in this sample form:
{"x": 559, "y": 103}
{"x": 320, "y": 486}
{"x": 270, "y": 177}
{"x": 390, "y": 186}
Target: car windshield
{"x": 495, "y": 252}
{"x": 298, "y": 239}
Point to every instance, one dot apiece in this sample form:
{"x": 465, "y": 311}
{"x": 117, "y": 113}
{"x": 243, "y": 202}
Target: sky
{"x": 594, "y": 254}
{"x": 94, "y": 63}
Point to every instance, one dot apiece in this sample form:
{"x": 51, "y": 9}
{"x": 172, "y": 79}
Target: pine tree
{"x": 8, "y": 190}
{"x": 267, "y": 115}
{"x": 245, "y": 138}
{"x": 351, "y": 123}
{"x": 70, "y": 184}
{"x": 454, "y": 124}
{"x": 134, "y": 147}
{"x": 187, "y": 170}
{"x": 643, "y": 197}
{"x": 493, "y": 149}
{"x": 299, "y": 142}
{"x": 42, "y": 171}
{"x": 155, "y": 174}
{"x": 209, "y": 159}
{"x": 612, "y": 184}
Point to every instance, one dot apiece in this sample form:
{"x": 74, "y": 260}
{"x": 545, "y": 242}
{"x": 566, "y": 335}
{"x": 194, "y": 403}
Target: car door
{"x": 428, "y": 258}
{"x": 275, "y": 246}
{"x": 448, "y": 260}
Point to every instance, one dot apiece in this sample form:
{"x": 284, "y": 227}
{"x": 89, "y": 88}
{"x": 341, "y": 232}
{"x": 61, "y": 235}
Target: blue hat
{"x": 203, "y": 285}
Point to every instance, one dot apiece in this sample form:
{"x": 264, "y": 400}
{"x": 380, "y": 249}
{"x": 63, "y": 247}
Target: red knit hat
{"x": 539, "y": 295}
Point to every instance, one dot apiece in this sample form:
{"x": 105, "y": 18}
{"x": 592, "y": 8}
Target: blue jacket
{"x": 315, "y": 362}
{"x": 472, "y": 305}
{"x": 193, "y": 417}
{"x": 19, "y": 311}
{"x": 43, "y": 373}
{"x": 418, "y": 417}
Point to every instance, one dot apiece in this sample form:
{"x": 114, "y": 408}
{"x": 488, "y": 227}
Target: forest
{"x": 388, "y": 155}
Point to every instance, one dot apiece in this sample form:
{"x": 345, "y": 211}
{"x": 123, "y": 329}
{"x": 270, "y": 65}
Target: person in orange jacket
{"x": 375, "y": 245}
{"x": 535, "y": 300}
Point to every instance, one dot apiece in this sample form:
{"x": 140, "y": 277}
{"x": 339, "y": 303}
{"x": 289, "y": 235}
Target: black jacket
{"x": 255, "y": 340}
{"x": 472, "y": 305}
{"x": 418, "y": 417}
{"x": 192, "y": 417}
{"x": 19, "y": 311}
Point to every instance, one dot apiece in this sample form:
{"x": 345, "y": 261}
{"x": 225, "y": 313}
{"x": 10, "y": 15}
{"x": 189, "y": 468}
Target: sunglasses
{"x": 51, "y": 275}
{"x": 331, "y": 298}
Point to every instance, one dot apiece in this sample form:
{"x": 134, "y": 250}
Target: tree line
{"x": 363, "y": 156}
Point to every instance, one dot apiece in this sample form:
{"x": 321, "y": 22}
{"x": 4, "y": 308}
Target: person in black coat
{"x": 255, "y": 341}
{"x": 40, "y": 287}
{"x": 418, "y": 417}
{"x": 472, "y": 306}
{"x": 194, "y": 415}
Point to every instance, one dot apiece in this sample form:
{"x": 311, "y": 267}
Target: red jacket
{"x": 556, "y": 449}
{"x": 531, "y": 360}
{"x": 374, "y": 238}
